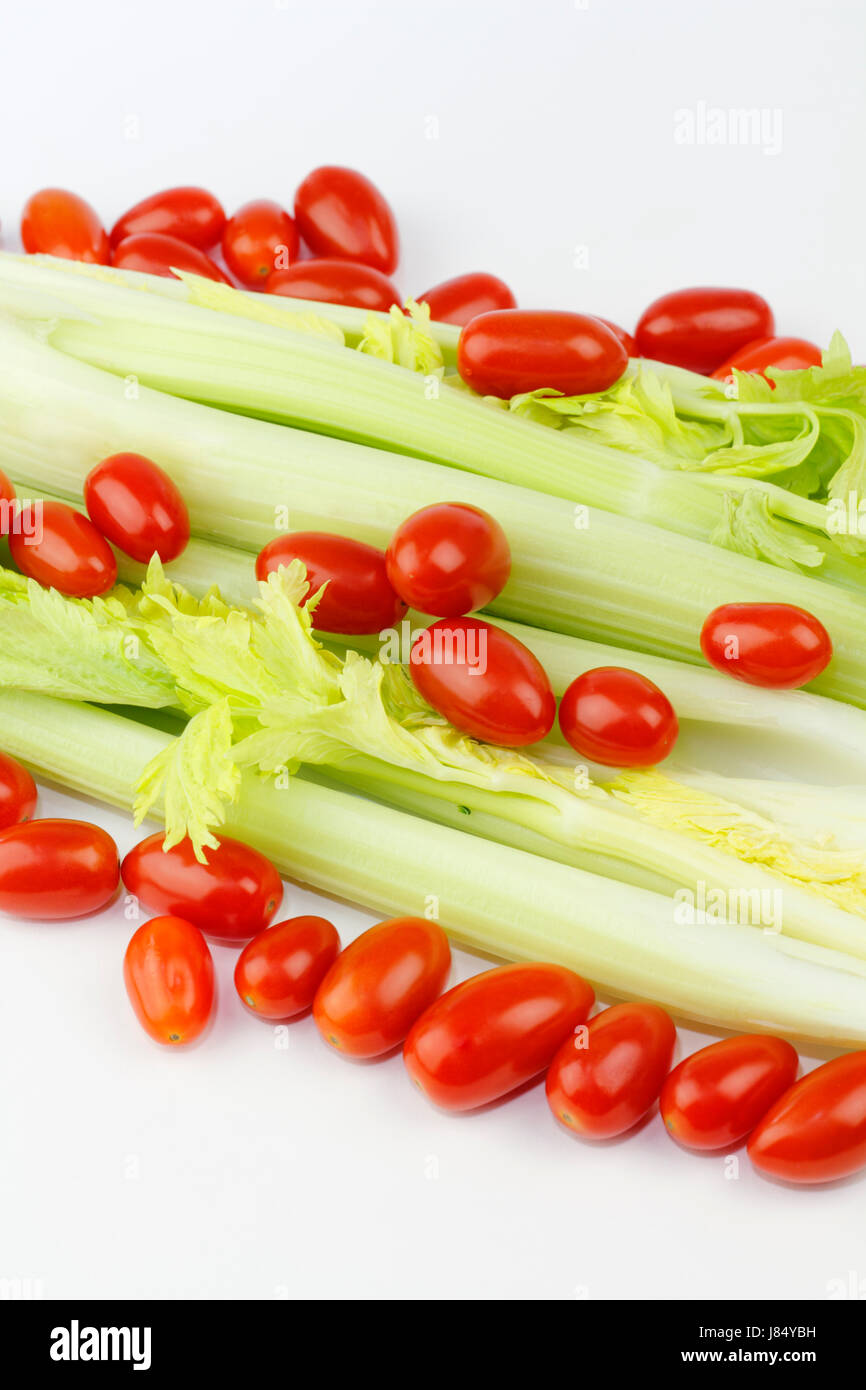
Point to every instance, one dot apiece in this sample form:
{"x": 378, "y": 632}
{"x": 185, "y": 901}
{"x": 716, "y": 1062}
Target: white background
{"x": 537, "y": 141}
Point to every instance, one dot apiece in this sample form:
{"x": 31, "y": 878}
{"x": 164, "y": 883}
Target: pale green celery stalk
{"x": 258, "y": 369}
{"x": 489, "y": 897}
{"x": 576, "y": 570}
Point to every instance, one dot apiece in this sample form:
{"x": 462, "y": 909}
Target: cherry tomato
{"x": 137, "y": 507}
{"x": 233, "y": 896}
{"x": 509, "y": 351}
{"x": 55, "y": 869}
{"x": 156, "y": 254}
{"x": 279, "y": 971}
{"x": 483, "y": 681}
{"x": 771, "y": 644}
{"x": 17, "y": 792}
{"x": 59, "y": 223}
{"x": 359, "y": 597}
{"x": 340, "y": 213}
{"x": 259, "y": 237}
{"x": 168, "y": 972}
{"x": 381, "y": 983}
{"x": 816, "y": 1131}
{"x": 335, "y": 282}
{"x": 602, "y": 1082}
{"x": 61, "y": 549}
{"x": 7, "y": 501}
{"x": 701, "y": 328}
{"x": 191, "y": 214}
{"x": 494, "y": 1032}
{"x": 618, "y": 718}
{"x": 449, "y": 559}
{"x": 625, "y": 338}
{"x": 714, "y": 1098}
{"x": 787, "y": 354}
{"x": 467, "y": 296}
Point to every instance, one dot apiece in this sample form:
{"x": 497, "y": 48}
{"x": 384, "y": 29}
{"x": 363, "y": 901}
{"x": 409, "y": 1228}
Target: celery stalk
{"x": 580, "y": 571}
{"x": 260, "y": 369}
{"x": 489, "y": 897}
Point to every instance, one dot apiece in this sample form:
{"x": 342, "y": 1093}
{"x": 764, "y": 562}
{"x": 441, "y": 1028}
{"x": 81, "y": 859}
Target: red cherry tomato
{"x": 601, "y": 1083}
{"x": 771, "y": 644}
{"x": 467, "y": 296}
{"x": 335, "y": 282}
{"x": 449, "y": 559}
{"x": 618, "y": 718}
{"x": 494, "y": 1032}
{"x": 17, "y": 792}
{"x": 787, "y": 354}
{"x": 279, "y": 971}
{"x": 625, "y": 338}
{"x": 55, "y": 869}
{"x": 61, "y": 549}
{"x": 381, "y": 983}
{"x": 137, "y": 507}
{"x": 509, "y": 351}
{"x": 233, "y": 896}
{"x": 7, "y": 504}
{"x": 59, "y": 223}
{"x": 341, "y": 213}
{"x": 259, "y": 237}
{"x": 483, "y": 681}
{"x": 191, "y": 214}
{"x": 816, "y": 1131}
{"x": 359, "y": 597}
{"x": 714, "y": 1098}
{"x": 156, "y": 254}
{"x": 701, "y": 328}
{"x": 168, "y": 972}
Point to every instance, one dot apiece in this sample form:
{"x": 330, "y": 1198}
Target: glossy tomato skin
{"x": 359, "y": 597}
{"x": 625, "y": 338}
{"x": 466, "y": 296}
{"x": 7, "y": 498}
{"x": 153, "y": 253}
{"x": 169, "y": 977}
{"x": 340, "y": 213}
{"x": 494, "y": 1032}
{"x": 231, "y": 897}
{"x": 483, "y": 681}
{"x": 137, "y": 507}
{"x": 65, "y": 551}
{"x": 509, "y": 351}
{"x": 715, "y": 1097}
{"x": 56, "y": 869}
{"x": 17, "y": 792}
{"x": 379, "y": 986}
{"x": 280, "y": 969}
{"x": 618, "y": 717}
{"x": 786, "y": 354}
{"x": 776, "y": 645}
{"x": 816, "y": 1131}
{"x": 701, "y": 328}
{"x": 188, "y": 213}
{"x": 258, "y": 238}
{"x": 59, "y": 223}
{"x": 602, "y": 1084}
{"x": 449, "y": 559}
{"x": 335, "y": 282}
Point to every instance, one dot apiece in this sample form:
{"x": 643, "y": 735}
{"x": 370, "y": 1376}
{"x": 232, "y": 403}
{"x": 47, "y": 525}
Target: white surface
{"x": 240, "y": 1170}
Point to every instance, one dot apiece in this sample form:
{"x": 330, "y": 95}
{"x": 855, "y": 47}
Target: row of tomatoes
{"x": 349, "y": 227}
{"x": 450, "y": 559}
{"x": 473, "y": 1045}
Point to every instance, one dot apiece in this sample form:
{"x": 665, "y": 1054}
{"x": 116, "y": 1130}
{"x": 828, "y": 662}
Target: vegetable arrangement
{"x": 463, "y": 580}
